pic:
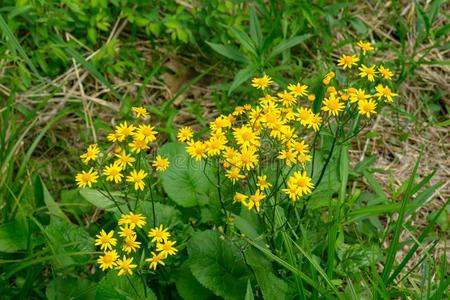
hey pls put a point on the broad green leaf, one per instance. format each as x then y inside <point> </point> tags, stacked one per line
<point>164,214</point>
<point>113,287</point>
<point>40,191</point>
<point>185,181</point>
<point>249,292</point>
<point>289,43</point>
<point>99,199</point>
<point>255,28</point>
<point>229,52</point>
<point>70,288</point>
<point>218,265</point>
<point>242,76</point>
<point>188,287</point>
<point>244,39</point>
<point>13,236</point>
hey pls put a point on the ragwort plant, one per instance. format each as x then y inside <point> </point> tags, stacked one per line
<point>246,190</point>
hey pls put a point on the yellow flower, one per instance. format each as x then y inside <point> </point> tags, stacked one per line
<point>126,231</point>
<point>367,107</point>
<point>255,200</point>
<point>159,234</point>
<point>136,177</point>
<point>130,244</point>
<point>216,144</point>
<point>234,174</point>
<point>301,147</point>
<point>112,137</point>
<point>166,248</point>
<point>368,72</point>
<point>238,197</point>
<point>108,260</point>
<point>185,134</point>
<point>133,220</point>
<point>248,158</point>
<point>140,112</point>
<point>298,89</point>
<point>315,121</point>
<point>289,156</point>
<point>303,158</point>
<point>113,172</point>
<point>347,61</point>
<point>137,145</point>
<point>86,178</point>
<point>299,184</point>
<point>245,136</point>
<point>125,159</point>
<point>219,123</point>
<point>196,150</point>
<point>328,77</point>
<point>384,91</point>
<point>357,95</point>
<point>332,105</point>
<point>125,266</point>
<point>145,133</point>
<point>155,260</point>
<point>311,98</point>
<point>331,90</point>
<point>303,115</point>
<point>161,164</point>
<point>105,240</point>
<point>238,110</point>
<point>287,98</point>
<point>91,153</point>
<point>262,183</point>
<point>385,72</point>
<point>123,130</point>
<point>365,47</point>
<point>261,82</point>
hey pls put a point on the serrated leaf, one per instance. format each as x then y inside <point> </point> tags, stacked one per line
<point>185,180</point>
<point>113,287</point>
<point>229,52</point>
<point>13,236</point>
<point>97,198</point>
<point>188,287</point>
<point>218,265</point>
<point>289,43</point>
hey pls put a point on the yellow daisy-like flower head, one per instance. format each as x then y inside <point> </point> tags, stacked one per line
<point>113,137</point>
<point>161,164</point>
<point>91,153</point>
<point>332,105</point>
<point>185,134</point>
<point>238,197</point>
<point>367,107</point>
<point>303,115</point>
<point>125,266</point>
<point>287,98</point>
<point>255,200</point>
<point>368,72</point>
<point>289,156</point>
<point>299,184</point>
<point>384,92</point>
<point>138,144</point>
<point>126,231</point>
<point>123,130</point>
<point>357,95</point>
<point>137,177</point>
<point>112,172</point>
<point>248,159</point>
<point>298,89</point>
<point>348,61</point>
<point>315,121</point>
<point>328,77</point>
<point>146,133</point>
<point>262,183</point>
<point>385,73</point>
<point>105,240</point>
<point>196,150</point>
<point>130,244</point>
<point>141,112</point>
<point>365,47</point>
<point>159,234</point>
<point>155,260</point>
<point>246,136</point>
<point>108,260</point>
<point>261,82</point>
<point>234,174</point>
<point>311,97</point>
<point>166,248</point>
<point>86,178</point>
<point>125,159</point>
<point>132,220</point>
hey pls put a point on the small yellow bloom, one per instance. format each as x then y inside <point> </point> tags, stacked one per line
<point>123,130</point>
<point>287,99</point>
<point>368,72</point>
<point>108,260</point>
<point>289,156</point>
<point>91,153</point>
<point>113,172</point>
<point>311,98</point>
<point>159,234</point>
<point>125,159</point>
<point>133,220</point>
<point>155,260</point>
<point>146,133</point>
<point>348,61</point>
<point>384,91</point>
<point>238,197</point>
<point>130,244</point>
<point>234,174</point>
<point>261,82</point>
<point>385,72</point>
<point>137,177</point>
<point>141,112</point>
<point>125,266</point>
<point>161,164</point>
<point>298,89</point>
<point>166,248</point>
<point>245,136</point>
<point>303,115</point>
<point>86,178</point>
<point>365,47</point>
<point>105,240</point>
<point>262,183</point>
<point>357,95</point>
<point>196,150</point>
<point>137,145</point>
<point>126,231</point>
<point>367,107</point>
<point>315,121</point>
<point>332,105</point>
<point>185,134</point>
<point>112,137</point>
<point>255,200</point>
<point>248,159</point>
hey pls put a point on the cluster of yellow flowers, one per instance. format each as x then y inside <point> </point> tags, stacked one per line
<point>278,121</point>
<point>125,155</point>
<point>128,224</point>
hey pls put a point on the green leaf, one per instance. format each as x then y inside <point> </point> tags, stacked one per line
<point>14,236</point>
<point>242,76</point>
<point>244,39</point>
<point>98,199</point>
<point>255,28</point>
<point>188,287</point>
<point>217,264</point>
<point>229,52</point>
<point>185,181</point>
<point>289,43</point>
<point>70,288</point>
<point>249,292</point>
<point>113,287</point>
<point>41,192</point>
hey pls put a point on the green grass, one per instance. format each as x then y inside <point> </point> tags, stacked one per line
<point>336,249</point>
